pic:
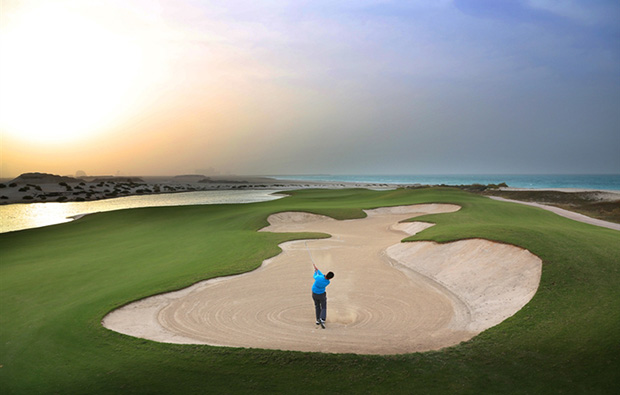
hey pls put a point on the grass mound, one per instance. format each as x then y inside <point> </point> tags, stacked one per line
<point>58,282</point>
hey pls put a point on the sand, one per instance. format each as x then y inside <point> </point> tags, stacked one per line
<point>571,214</point>
<point>39,187</point>
<point>387,297</point>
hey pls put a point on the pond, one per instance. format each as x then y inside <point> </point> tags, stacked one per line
<point>33,215</point>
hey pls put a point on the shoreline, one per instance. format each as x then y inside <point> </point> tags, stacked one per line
<point>597,207</point>
<point>46,189</point>
<point>19,216</point>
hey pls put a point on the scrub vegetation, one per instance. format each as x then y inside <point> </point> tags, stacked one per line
<point>58,282</point>
<point>587,203</point>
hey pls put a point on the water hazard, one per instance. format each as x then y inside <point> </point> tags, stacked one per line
<point>33,215</point>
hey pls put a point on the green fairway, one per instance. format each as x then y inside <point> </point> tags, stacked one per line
<point>58,282</point>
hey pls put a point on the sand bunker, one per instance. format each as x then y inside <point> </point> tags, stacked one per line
<point>387,297</point>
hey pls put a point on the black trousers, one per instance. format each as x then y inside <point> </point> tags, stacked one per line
<point>320,305</point>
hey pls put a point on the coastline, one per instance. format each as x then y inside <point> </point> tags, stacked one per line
<point>525,181</point>
<point>46,189</point>
<point>598,207</point>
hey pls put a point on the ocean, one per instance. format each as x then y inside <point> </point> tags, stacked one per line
<point>610,182</point>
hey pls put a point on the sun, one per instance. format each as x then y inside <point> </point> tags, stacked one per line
<point>63,76</point>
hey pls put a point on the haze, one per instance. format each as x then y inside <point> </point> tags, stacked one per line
<point>341,87</point>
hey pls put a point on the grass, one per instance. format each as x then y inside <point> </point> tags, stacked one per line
<point>587,203</point>
<point>56,284</point>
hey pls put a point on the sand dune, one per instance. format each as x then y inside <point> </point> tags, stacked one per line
<point>387,297</point>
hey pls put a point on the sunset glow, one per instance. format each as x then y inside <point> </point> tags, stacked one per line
<point>320,87</point>
<point>64,76</point>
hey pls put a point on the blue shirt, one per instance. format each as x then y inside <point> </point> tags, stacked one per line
<point>320,282</point>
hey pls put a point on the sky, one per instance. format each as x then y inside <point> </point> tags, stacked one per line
<point>140,87</point>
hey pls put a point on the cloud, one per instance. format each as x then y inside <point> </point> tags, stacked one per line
<point>377,86</point>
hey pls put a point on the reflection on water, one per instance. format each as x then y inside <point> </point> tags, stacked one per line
<point>33,215</point>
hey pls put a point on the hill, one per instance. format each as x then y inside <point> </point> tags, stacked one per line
<point>42,178</point>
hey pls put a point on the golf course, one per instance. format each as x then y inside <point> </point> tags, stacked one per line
<point>57,284</point>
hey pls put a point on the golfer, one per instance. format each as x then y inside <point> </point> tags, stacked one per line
<point>319,295</point>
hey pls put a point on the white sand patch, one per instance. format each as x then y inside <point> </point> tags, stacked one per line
<point>493,280</point>
<point>387,297</point>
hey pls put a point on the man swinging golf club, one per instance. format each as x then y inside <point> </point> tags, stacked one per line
<point>319,295</point>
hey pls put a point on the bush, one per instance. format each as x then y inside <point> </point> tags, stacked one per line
<point>27,197</point>
<point>12,185</point>
<point>2,186</point>
<point>62,199</point>
<point>4,197</point>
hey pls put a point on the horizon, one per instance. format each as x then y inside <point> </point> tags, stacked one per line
<point>239,88</point>
<point>311,175</point>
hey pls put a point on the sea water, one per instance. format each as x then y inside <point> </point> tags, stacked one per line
<point>33,215</point>
<point>609,182</point>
